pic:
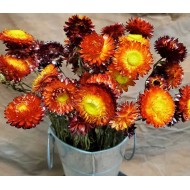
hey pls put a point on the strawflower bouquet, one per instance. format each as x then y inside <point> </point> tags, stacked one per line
<point>87,112</point>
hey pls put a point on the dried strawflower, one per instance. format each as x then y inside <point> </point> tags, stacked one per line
<point>133,59</point>
<point>94,104</point>
<point>24,111</point>
<point>114,30</point>
<point>13,68</point>
<point>96,49</point>
<point>125,117</point>
<point>57,96</point>
<point>184,102</point>
<point>77,27</point>
<point>139,26</point>
<point>156,106</point>
<point>171,49</point>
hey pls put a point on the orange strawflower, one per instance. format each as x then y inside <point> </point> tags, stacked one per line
<point>13,68</point>
<point>106,81</point>
<point>46,76</point>
<point>96,49</point>
<point>184,102</point>
<point>125,117</point>
<point>57,96</point>
<point>133,59</point>
<point>123,81</point>
<point>94,104</point>
<point>16,36</point>
<point>24,111</point>
<point>174,74</point>
<point>157,106</point>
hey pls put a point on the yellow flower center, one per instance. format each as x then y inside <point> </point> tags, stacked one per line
<point>159,104</point>
<point>62,98</point>
<point>92,105</point>
<point>188,106</point>
<point>121,79</point>
<point>18,34</point>
<point>21,107</point>
<point>136,37</point>
<point>133,58</point>
<point>16,63</point>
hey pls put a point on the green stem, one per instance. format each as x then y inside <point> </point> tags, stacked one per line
<point>155,65</point>
<point>26,84</point>
<point>22,87</point>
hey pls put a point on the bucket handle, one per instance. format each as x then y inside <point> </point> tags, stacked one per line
<point>133,150</point>
<point>50,156</point>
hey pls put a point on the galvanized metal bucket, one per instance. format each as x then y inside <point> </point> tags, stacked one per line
<point>78,162</point>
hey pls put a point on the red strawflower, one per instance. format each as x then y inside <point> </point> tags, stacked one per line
<point>114,30</point>
<point>139,26</point>
<point>170,49</point>
<point>77,27</point>
<point>78,126</point>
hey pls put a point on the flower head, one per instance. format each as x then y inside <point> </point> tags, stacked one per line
<point>170,49</point>
<point>16,36</point>
<point>184,102</point>
<point>96,49</point>
<point>133,59</point>
<point>48,74</point>
<point>123,81</point>
<point>156,80</point>
<point>79,126</point>
<point>157,106</point>
<point>174,74</point>
<point>106,81</point>
<point>77,27</point>
<point>24,111</point>
<point>57,96</point>
<point>114,30</point>
<point>13,68</point>
<point>94,104</point>
<point>48,53</point>
<point>139,26</point>
<point>125,117</point>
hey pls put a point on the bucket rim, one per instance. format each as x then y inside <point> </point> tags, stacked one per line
<point>50,130</point>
